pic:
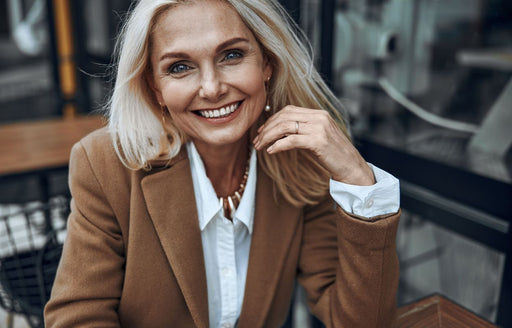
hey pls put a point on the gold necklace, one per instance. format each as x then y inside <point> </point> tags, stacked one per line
<point>231,202</point>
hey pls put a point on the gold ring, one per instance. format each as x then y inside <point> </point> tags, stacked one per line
<point>296,127</point>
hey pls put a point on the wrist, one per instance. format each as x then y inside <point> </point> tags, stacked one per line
<point>363,176</point>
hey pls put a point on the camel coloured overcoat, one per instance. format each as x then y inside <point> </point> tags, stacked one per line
<point>133,254</point>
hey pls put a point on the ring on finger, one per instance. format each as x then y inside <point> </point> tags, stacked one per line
<point>296,127</point>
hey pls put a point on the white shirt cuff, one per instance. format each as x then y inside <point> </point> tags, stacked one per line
<point>368,201</point>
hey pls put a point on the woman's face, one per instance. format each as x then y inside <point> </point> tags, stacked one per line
<point>209,70</point>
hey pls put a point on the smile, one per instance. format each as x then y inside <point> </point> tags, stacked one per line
<point>221,112</point>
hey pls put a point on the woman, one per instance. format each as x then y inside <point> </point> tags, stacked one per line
<point>209,194</point>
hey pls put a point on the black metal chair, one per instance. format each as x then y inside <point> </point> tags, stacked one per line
<point>30,249</point>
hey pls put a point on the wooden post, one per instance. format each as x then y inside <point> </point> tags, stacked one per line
<point>65,55</point>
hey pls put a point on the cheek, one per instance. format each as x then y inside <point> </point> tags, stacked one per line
<point>259,93</point>
<point>251,83</point>
<point>176,96</point>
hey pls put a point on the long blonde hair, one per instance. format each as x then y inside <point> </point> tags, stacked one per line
<point>139,138</point>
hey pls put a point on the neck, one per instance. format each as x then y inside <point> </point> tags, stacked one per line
<point>225,165</point>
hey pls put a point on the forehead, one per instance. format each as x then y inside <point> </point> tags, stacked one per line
<point>198,22</point>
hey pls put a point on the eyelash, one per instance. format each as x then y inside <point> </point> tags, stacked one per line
<point>180,68</point>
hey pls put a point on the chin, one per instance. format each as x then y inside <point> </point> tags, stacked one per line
<point>229,138</point>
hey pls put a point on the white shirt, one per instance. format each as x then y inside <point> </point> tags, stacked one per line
<point>226,243</point>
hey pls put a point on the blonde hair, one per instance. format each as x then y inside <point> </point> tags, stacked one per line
<point>139,137</point>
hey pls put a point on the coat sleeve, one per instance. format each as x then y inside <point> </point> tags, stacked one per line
<point>89,279</point>
<point>349,267</point>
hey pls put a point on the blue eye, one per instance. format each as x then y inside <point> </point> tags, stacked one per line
<point>179,68</point>
<point>233,55</point>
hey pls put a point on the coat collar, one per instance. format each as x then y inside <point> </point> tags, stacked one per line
<point>171,204</point>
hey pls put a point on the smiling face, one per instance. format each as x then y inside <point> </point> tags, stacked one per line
<point>209,70</point>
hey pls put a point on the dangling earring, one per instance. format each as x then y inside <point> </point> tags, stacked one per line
<point>267,106</point>
<point>163,113</point>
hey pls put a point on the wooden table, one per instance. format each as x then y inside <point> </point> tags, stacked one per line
<point>437,311</point>
<point>34,157</point>
<point>35,146</point>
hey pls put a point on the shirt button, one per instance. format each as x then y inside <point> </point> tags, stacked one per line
<point>226,272</point>
<point>369,203</point>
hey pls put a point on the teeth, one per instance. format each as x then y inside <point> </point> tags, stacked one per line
<point>216,113</point>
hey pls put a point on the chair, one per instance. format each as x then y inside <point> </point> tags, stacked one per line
<point>30,249</point>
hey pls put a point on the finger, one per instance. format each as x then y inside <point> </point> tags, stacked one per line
<point>286,123</point>
<point>277,118</point>
<point>292,113</point>
<point>293,141</point>
<point>277,131</point>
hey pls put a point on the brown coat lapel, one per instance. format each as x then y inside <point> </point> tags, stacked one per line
<point>274,226</point>
<point>171,204</point>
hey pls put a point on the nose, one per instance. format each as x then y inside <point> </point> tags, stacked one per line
<point>212,87</point>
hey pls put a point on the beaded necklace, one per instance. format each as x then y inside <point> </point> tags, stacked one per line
<point>230,203</point>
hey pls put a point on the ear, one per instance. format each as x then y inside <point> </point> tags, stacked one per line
<point>148,75</point>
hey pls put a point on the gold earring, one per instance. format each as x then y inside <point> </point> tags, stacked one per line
<point>163,113</point>
<point>267,106</point>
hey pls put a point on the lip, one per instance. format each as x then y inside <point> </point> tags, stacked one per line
<point>223,119</point>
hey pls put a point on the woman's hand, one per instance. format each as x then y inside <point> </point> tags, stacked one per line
<point>315,130</point>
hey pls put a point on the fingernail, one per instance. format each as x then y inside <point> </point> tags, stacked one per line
<point>269,149</point>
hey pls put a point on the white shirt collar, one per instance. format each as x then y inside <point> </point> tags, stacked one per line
<point>208,205</point>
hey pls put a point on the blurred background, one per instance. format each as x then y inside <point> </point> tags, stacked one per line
<point>426,86</point>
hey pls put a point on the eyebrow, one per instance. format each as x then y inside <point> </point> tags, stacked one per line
<point>223,45</point>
